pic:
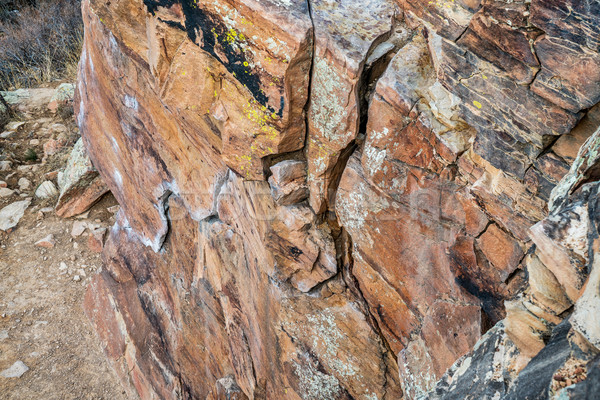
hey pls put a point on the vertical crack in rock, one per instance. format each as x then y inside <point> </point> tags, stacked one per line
<point>354,285</point>
<point>426,155</point>
<point>373,65</point>
<point>341,51</point>
<point>163,205</point>
<point>310,75</point>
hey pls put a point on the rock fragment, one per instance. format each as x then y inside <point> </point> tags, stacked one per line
<point>6,192</point>
<point>288,182</point>
<point>63,94</point>
<point>80,185</point>
<point>78,228</point>
<point>24,184</point>
<point>47,242</point>
<point>15,371</point>
<point>46,190</point>
<point>12,214</point>
<point>96,240</point>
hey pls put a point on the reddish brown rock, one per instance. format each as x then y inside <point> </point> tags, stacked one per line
<point>505,199</point>
<point>252,87</point>
<point>80,199</point>
<point>346,34</point>
<point>501,250</point>
<point>500,33</point>
<point>140,134</point>
<point>96,239</point>
<point>568,52</point>
<point>225,325</point>
<point>475,219</point>
<point>401,279</point>
<point>79,184</point>
<point>47,242</point>
<point>52,147</point>
<point>288,182</point>
<point>408,154</point>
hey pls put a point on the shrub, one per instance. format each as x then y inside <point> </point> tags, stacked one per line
<point>40,41</point>
<point>31,155</point>
<point>9,9</point>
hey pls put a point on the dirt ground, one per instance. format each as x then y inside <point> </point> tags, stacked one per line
<point>42,322</point>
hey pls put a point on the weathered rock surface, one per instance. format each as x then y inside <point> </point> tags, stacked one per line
<point>348,36</point>
<point>79,184</point>
<point>568,52</point>
<point>46,190</point>
<point>15,371</point>
<point>12,214</point>
<point>550,325</point>
<point>62,95</point>
<point>4,114</point>
<point>336,200</point>
<point>288,182</point>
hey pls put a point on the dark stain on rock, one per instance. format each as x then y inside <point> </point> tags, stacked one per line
<point>295,252</point>
<point>209,32</point>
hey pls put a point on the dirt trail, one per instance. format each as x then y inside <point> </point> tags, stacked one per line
<point>42,322</point>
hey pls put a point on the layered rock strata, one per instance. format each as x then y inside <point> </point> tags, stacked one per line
<point>337,199</point>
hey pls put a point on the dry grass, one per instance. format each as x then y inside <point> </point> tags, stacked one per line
<point>40,41</point>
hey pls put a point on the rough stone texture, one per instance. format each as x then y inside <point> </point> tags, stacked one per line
<point>568,52</point>
<point>12,214</point>
<point>4,115</point>
<point>63,95</point>
<point>337,199</point>
<point>79,184</point>
<point>15,371</point>
<point>348,35</point>
<point>555,347</point>
<point>46,190</point>
<point>288,182</point>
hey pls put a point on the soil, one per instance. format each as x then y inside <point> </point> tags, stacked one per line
<point>42,322</point>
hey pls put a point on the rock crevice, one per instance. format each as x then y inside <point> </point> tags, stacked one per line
<point>333,199</point>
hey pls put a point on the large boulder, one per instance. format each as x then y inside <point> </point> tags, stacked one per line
<point>337,199</point>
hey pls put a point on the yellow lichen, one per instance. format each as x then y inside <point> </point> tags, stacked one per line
<point>231,36</point>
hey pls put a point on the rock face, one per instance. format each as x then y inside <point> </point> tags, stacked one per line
<point>338,199</point>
